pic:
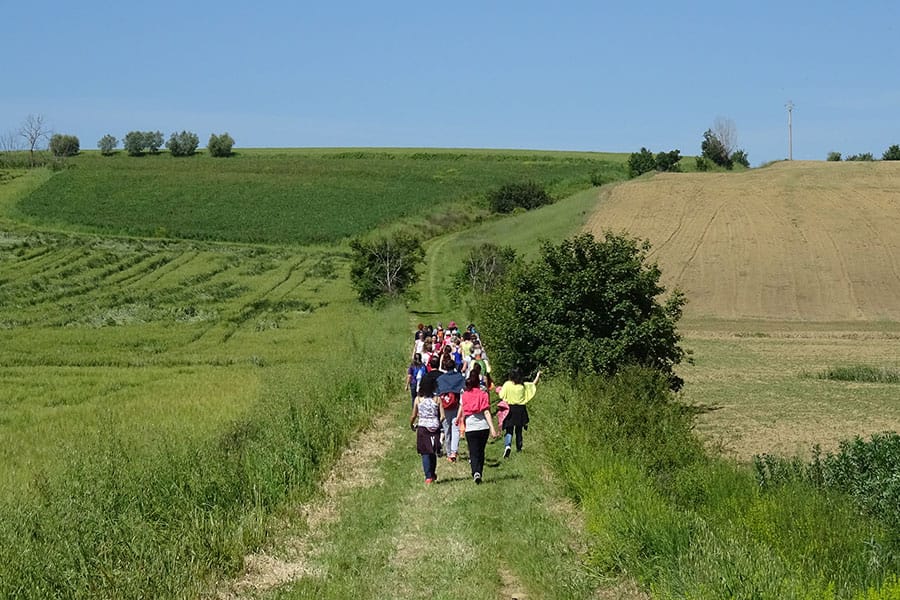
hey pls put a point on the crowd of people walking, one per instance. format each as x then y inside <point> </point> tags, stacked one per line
<point>450,384</point>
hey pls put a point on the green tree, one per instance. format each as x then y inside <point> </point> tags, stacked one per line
<point>134,143</point>
<point>183,144</point>
<point>220,145</point>
<point>834,156</point>
<point>892,153</point>
<point>641,162</point>
<point>107,144</point>
<point>64,145</point>
<point>863,157</point>
<point>739,157</point>
<point>153,140</point>
<point>585,306</point>
<point>385,267</point>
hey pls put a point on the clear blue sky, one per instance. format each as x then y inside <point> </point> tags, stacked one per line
<point>505,74</point>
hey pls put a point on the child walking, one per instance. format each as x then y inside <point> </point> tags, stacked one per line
<point>516,392</point>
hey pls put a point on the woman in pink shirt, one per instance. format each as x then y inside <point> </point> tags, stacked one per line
<point>475,415</point>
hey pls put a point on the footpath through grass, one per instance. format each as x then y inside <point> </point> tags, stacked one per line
<point>385,534</point>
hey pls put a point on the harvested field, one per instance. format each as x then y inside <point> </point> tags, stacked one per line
<point>801,241</point>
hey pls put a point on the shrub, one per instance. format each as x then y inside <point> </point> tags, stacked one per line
<point>701,163</point>
<point>668,161</point>
<point>220,145</point>
<point>641,162</point>
<point>892,153</point>
<point>107,144</point>
<point>585,306</point>
<point>64,145</point>
<point>485,267</point>
<point>183,144</point>
<point>527,195</point>
<point>385,267</point>
<point>834,156</point>
<point>138,142</point>
<point>597,179</point>
<point>714,150</point>
<point>739,157</point>
<point>864,157</point>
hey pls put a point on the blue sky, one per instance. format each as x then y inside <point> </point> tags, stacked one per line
<point>542,75</point>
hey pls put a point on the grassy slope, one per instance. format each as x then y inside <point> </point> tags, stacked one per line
<point>289,196</point>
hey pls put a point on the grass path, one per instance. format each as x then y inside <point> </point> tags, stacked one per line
<point>377,531</point>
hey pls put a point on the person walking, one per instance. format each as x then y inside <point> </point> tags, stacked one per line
<point>425,420</point>
<point>517,393</point>
<point>450,388</point>
<point>475,418</point>
<point>414,375</point>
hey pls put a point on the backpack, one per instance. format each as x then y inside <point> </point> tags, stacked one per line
<point>449,400</point>
<point>417,376</point>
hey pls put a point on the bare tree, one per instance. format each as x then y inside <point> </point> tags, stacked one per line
<point>9,141</point>
<point>726,132</point>
<point>34,129</point>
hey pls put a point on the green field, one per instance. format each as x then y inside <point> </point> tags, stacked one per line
<point>291,196</point>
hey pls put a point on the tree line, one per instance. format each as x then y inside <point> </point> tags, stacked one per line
<point>35,132</point>
<point>892,153</point>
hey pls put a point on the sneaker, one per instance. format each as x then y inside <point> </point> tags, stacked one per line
<point>451,458</point>
<point>477,478</point>
<point>429,481</point>
<point>506,452</point>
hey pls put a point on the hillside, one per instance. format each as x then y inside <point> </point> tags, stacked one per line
<point>801,241</point>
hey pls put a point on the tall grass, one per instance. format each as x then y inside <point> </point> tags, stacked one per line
<point>687,524</point>
<point>128,521</point>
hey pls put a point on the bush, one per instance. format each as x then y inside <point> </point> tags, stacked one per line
<point>714,150</point>
<point>739,157</point>
<point>668,161</point>
<point>585,306</point>
<point>892,153</point>
<point>597,179</point>
<point>64,145</point>
<point>641,162</point>
<point>107,144</point>
<point>183,144</point>
<point>864,157</point>
<point>701,164</point>
<point>527,195</point>
<point>220,145</point>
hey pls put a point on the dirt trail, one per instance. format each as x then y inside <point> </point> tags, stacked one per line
<point>356,468</point>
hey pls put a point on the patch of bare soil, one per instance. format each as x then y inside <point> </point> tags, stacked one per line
<point>512,589</point>
<point>355,469</point>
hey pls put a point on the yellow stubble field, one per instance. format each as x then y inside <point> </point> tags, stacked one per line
<point>789,270</point>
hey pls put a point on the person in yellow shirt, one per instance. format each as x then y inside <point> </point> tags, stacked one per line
<point>517,393</point>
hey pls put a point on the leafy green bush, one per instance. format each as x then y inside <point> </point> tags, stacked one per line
<point>598,179</point>
<point>739,157</point>
<point>834,156</point>
<point>714,150</point>
<point>585,306</point>
<point>701,164</point>
<point>892,153</point>
<point>183,144</point>
<point>64,145</point>
<point>220,145</point>
<point>107,144</point>
<point>864,157</point>
<point>641,162</point>
<point>527,195</point>
<point>668,161</point>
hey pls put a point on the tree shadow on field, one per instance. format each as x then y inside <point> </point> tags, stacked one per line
<point>423,313</point>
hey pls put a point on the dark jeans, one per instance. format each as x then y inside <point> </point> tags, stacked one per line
<point>429,465</point>
<point>477,441</point>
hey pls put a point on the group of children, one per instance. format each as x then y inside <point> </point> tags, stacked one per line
<point>450,381</point>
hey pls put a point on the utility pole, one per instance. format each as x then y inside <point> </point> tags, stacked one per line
<point>790,107</point>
